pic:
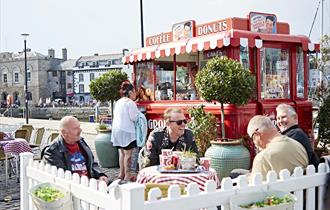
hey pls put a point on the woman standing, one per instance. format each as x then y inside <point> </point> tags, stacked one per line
<point>123,128</point>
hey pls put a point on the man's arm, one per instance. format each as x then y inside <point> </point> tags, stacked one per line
<point>53,157</point>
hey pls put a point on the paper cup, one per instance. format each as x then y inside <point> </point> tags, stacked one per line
<point>166,152</point>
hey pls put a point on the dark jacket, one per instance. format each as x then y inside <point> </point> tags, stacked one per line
<point>159,139</point>
<point>299,135</point>
<point>58,155</point>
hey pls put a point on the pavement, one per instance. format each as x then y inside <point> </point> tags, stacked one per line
<point>10,196</point>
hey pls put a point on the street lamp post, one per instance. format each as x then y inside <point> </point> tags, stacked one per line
<point>26,80</point>
<point>141,16</point>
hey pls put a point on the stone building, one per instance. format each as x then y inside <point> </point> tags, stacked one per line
<point>51,77</point>
<point>89,68</point>
<point>12,72</point>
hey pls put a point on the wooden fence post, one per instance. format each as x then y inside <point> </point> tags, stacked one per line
<point>24,182</point>
<point>132,196</point>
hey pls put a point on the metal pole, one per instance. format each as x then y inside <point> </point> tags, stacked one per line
<point>322,18</point>
<point>141,16</point>
<point>26,82</point>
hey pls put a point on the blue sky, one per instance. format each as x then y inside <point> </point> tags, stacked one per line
<point>86,27</point>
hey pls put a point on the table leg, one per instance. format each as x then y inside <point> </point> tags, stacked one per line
<point>6,168</point>
<point>16,164</point>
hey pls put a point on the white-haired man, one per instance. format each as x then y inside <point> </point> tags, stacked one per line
<point>287,122</point>
<point>277,151</point>
<point>70,152</point>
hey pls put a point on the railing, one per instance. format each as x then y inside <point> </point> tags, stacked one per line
<point>89,194</point>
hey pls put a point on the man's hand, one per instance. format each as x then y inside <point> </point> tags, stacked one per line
<point>149,145</point>
<point>104,178</point>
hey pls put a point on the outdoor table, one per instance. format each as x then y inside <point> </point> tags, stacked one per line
<point>153,175</point>
<point>14,147</point>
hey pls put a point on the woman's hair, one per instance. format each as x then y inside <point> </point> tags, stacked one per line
<point>125,88</point>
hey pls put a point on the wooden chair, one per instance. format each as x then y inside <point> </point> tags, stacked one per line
<point>30,129</point>
<point>10,168</point>
<point>2,135</point>
<point>52,136</point>
<point>38,137</point>
<point>163,188</point>
<point>22,133</point>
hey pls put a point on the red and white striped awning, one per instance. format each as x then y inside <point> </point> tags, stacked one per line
<point>234,38</point>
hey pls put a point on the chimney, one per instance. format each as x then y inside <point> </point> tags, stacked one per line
<point>51,53</point>
<point>64,54</point>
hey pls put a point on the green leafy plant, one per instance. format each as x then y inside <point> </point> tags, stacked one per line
<point>107,86</point>
<point>188,154</point>
<point>102,127</point>
<point>323,120</point>
<point>204,127</point>
<point>226,81</point>
<point>48,194</point>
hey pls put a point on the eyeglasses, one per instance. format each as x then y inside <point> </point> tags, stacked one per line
<point>254,133</point>
<point>179,122</point>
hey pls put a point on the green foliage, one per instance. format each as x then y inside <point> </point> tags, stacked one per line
<point>323,119</point>
<point>203,126</point>
<point>107,86</point>
<point>188,154</point>
<point>226,81</point>
<point>102,127</point>
<point>48,194</point>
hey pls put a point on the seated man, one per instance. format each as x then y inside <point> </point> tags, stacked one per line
<point>173,136</point>
<point>287,122</point>
<point>70,152</point>
<point>277,151</point>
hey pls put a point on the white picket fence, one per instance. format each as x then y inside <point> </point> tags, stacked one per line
<point>89,194</point>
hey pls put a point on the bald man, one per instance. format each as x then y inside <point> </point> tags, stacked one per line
<point>70,152</point>
<point>277,151</point>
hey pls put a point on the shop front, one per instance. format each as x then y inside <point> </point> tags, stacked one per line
<point>164,70</point>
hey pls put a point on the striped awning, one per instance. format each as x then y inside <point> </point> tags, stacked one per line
<point>233,38</point>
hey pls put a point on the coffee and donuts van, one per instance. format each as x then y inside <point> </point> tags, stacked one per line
<point>164,70</point>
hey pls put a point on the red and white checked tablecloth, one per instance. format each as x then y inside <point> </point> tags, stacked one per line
<point>15,146</point>
<point>152,175</point>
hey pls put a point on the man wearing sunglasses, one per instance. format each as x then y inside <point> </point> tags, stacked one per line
<point>277,151</point>
<point>173,136</point>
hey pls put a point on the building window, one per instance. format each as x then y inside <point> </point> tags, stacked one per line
<point>29,76</point>
<point>91,76</point>
<point>4,76</point>
<point>81,89</point>
<point>62,87</point>
<point>275,75</point>
<point>69,85</point>
<point>16,77</point>
<point>54,73</point>
<point>69,73</point>
<point>81,77</point>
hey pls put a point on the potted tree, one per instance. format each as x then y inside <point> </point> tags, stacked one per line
<point>106,88</point>
<point>226,81</point>
<point>204,127</point>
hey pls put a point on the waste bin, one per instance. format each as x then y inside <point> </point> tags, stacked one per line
<point>91,118</point>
